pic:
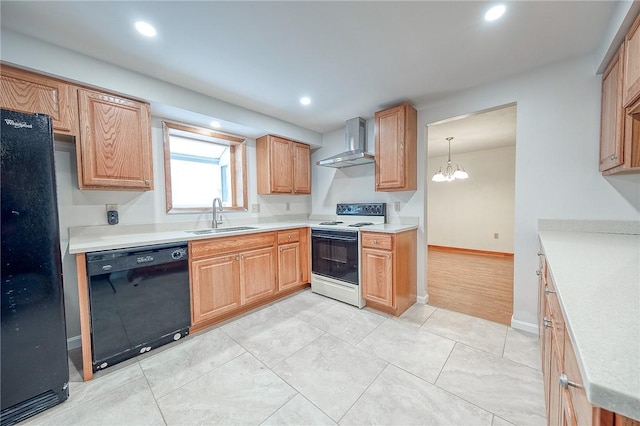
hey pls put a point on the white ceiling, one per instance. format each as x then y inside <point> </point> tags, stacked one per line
<point>351,58</point>
<point>475,132</point>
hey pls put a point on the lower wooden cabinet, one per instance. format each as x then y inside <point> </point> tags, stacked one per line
<point>215,287</point>
<point>293,258</point>
<point>565,397</point>
<point>230,275</point>
<point>257,274</point>
<point>388,268</point>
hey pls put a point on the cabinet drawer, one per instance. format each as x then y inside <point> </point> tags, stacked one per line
<point>214,246</point>
<point>378,241</point>
<point>288,236</point>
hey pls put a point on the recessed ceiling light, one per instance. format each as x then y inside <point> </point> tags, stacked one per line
<point>216,124</point>
<point>145,29</point>
<point>495,12</point>
<point>305,100</point>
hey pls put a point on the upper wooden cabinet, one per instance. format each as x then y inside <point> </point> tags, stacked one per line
<point>620,113</point>
<point>612,114</point>
<point>632,63</point>
<point>33,93</point>
<point>396,148</point>
<point>115,143</point>
<point>283,166</point>
<point>301,168</point>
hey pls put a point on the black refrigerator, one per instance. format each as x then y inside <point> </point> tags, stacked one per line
<point>33,341</point>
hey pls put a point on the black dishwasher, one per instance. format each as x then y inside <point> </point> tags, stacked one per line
<point>139,300</point>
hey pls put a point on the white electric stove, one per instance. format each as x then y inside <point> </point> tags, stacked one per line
<point>335,251</point>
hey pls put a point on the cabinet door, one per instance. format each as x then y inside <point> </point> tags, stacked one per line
<point>32,93</point>
<point>305,255</point>
<point>281,165</point>
<point>115,143</point>
<point>301,168</point>
<point>289,274</point>
<point>632,63</point>
<point>214,287</point>
<point>395,141</point>
<point>611,115</point>
<point>554,411</point>
<point>257,274</point>
<point>377,276</point>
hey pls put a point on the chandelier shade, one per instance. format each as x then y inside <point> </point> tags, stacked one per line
<point>449,172</point>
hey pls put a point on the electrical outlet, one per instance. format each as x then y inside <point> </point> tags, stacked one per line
<point>255,208</point>
<point>496,236</point>
<point>112,214</point>
<point>287,206</point>
<point>396,206</point>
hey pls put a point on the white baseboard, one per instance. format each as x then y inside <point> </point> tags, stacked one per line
<point>423,299</point>
<point>524,326</point>
<point>74,342</point>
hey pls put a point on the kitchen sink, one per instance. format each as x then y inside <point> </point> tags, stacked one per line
<point>219,230</point>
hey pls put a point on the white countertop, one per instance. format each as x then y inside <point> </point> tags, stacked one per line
<point>96,238</point>
<point>597,278</point>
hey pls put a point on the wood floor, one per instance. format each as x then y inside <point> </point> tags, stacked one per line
<point>474,283</point>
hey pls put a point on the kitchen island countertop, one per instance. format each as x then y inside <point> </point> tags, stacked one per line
<point>597,278</point>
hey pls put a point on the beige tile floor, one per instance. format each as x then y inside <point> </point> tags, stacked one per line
<point>309,360</point>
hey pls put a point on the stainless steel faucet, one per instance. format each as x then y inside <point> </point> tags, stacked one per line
<point>214,221</point>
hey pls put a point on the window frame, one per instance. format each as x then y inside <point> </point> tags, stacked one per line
<point>238,157</point>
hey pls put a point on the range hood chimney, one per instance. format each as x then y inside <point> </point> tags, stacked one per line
<point>355,139</point>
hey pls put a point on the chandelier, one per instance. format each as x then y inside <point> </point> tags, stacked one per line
<point>448,172</point>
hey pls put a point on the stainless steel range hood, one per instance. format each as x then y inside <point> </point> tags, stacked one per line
<point>355,139</point>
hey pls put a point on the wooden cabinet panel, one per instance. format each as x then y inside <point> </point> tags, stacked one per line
<point>280,164</point>
<point>612,115</point>
<point>257,274</point>
<point>289,266</point>
<point>377,276</point>
<point>632,63</point>
<point>396,148</point>
<point>289,236</point>
<point>377,241</point>
<point>301,168</point>
<point>388,270</point>
<point>283,166</point>
<point>305,255</point>
<point>115,143</point>
<point>214,287</point>
<point>33,93</point>
<point>217,246</point>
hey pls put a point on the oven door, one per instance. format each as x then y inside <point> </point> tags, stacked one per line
<point>334,254</point>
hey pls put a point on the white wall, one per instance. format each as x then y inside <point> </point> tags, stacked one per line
<point>87,208</point>
<point>467,213</point>
<point>556,159</point>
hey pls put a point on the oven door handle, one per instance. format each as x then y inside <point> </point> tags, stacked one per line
<point>334,237</point>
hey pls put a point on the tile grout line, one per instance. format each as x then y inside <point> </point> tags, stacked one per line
<point>364,391</point>
<point>155,399</point>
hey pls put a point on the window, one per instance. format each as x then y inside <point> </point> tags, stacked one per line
<point>200,165</point>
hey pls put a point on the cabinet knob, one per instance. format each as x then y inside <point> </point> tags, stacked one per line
<point>546,322</point>
<point>547,291</point>
<point>614,157</point>
<point>540,253</point>
<point>375,241</point>
<point>237,257</point>
<point>289,236</point>
<point>538,272</point>
<point>565,382</point>
<point>146,182</point>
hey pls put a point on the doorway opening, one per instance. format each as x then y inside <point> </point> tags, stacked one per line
<point>470,221</point>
